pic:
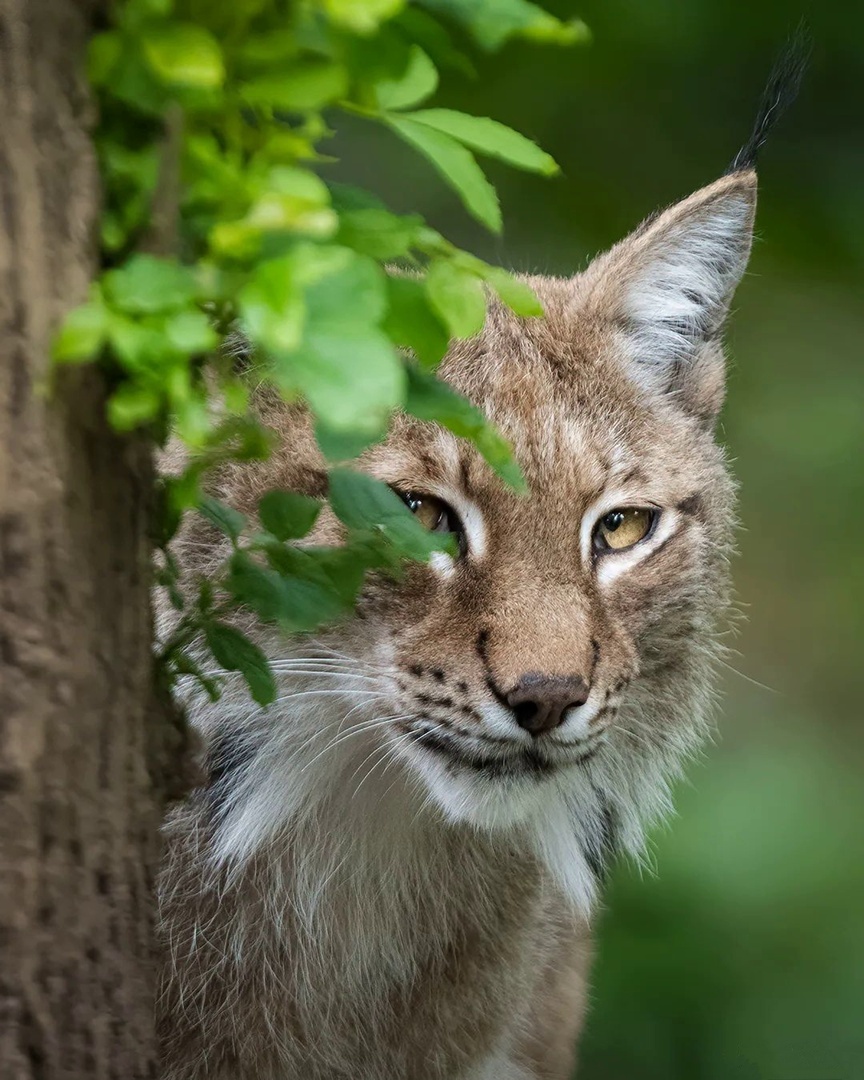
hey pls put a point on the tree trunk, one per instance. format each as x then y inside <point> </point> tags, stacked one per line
<point>82,727</point>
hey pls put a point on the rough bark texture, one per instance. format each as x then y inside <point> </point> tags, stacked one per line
<point>81,726</point>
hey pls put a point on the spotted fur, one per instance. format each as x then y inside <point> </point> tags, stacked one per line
<point>386,876</point>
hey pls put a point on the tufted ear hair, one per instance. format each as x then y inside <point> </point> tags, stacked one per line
<point>667,288</point>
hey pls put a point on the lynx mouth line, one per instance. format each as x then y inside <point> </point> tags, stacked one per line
<point>526,762</point>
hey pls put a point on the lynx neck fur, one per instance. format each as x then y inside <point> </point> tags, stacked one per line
<point>390,871</point>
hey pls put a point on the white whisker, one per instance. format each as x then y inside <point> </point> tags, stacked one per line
<point>359,729</point>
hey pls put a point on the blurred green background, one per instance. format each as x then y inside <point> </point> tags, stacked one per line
<point>744,956</point>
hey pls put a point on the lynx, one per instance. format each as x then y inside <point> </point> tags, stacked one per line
<point>390,872</point>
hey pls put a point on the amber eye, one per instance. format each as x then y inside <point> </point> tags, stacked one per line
<point>620,529</point>
<point>432,513</point>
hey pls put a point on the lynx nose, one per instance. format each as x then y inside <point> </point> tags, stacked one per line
<point>539,701</point>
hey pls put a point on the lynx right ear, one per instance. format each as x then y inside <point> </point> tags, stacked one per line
<point>668,286</point>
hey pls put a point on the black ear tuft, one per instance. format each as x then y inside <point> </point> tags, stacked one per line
<point>782,89</point>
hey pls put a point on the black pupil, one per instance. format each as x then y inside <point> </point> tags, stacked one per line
<point>613,521</point>
<point>416,501</point>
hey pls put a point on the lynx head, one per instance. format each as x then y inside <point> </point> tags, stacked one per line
<point>548,678</point>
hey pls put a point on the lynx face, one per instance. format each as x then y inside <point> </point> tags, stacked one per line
<point>517,664</point>
<point>551,676</point>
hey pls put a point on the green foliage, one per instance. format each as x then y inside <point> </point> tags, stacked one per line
<point>489,137</point>
<point>235,652</point>
<point>362,503</point>
<point>457,166</point>
<point>213,119</point>
<point>286,515</point>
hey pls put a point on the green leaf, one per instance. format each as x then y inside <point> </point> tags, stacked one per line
<point>226,519</point>
<point>296,604</point>
<point>142,349</point>
<point>361,16</point>
<point>150,7</point>
<point>286,198</point>
<point>457,296</point>
<point>456,166</point>
<point>345,290</point>
<point>146,284</point>
<point>361,502</point>
<point>191,332</point>
<point>184,54</point>
<point>303,85</point>
<point>181,663</point>
<point>516,294</point>
<point>168,514</point>
<point>167,579</point>
<point>82,334</point>
<point>422,28</point>
<point>384,57</point>
<point>344,568</point>
<point>257,587</point>
<point>411,321</point>
<point>192,417</point>
<point>345,366</point>
<point>490,138</point>
<point>242,438</point>
<point>492,22</point>
<point>288,515</point>
<point>132,405</point>
<point>351,379</point>
<point>339,444</point>
<point>277,45</point>
<point>378,233</point>
<point>430,399</point>
<point>314,262</point>
<point>419,82</point>
<point>103,55</point>
<point>235,652</point>
<point>272,305</point>
<point>346,198</point>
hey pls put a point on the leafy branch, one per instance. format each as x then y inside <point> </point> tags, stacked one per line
<point>218,216</point>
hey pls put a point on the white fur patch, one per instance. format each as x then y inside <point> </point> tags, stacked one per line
<point>681,291</point>
<point>443,564</point>
<point>472,522</point>
<point>499,1067</point>
<point>471,519</point>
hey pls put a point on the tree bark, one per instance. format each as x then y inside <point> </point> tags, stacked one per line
<point>84,733</point>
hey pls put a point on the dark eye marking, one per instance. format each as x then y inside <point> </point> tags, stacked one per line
<point>693,506</point>
<point>465,474</point>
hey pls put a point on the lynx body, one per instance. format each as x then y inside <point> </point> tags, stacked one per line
<point>390,871</point>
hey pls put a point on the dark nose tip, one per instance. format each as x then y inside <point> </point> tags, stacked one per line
<point>539,701</point>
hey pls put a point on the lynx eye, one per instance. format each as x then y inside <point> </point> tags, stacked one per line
<point>622,528</point>
<point>434,514</point>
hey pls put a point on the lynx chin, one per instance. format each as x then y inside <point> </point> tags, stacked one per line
<point>390,872</point>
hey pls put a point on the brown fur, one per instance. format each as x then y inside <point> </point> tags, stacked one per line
<point>446,945</point>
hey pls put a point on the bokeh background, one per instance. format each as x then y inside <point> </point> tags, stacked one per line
<point>742,957</point>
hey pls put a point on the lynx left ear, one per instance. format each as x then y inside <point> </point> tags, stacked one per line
<point>668,287</point>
